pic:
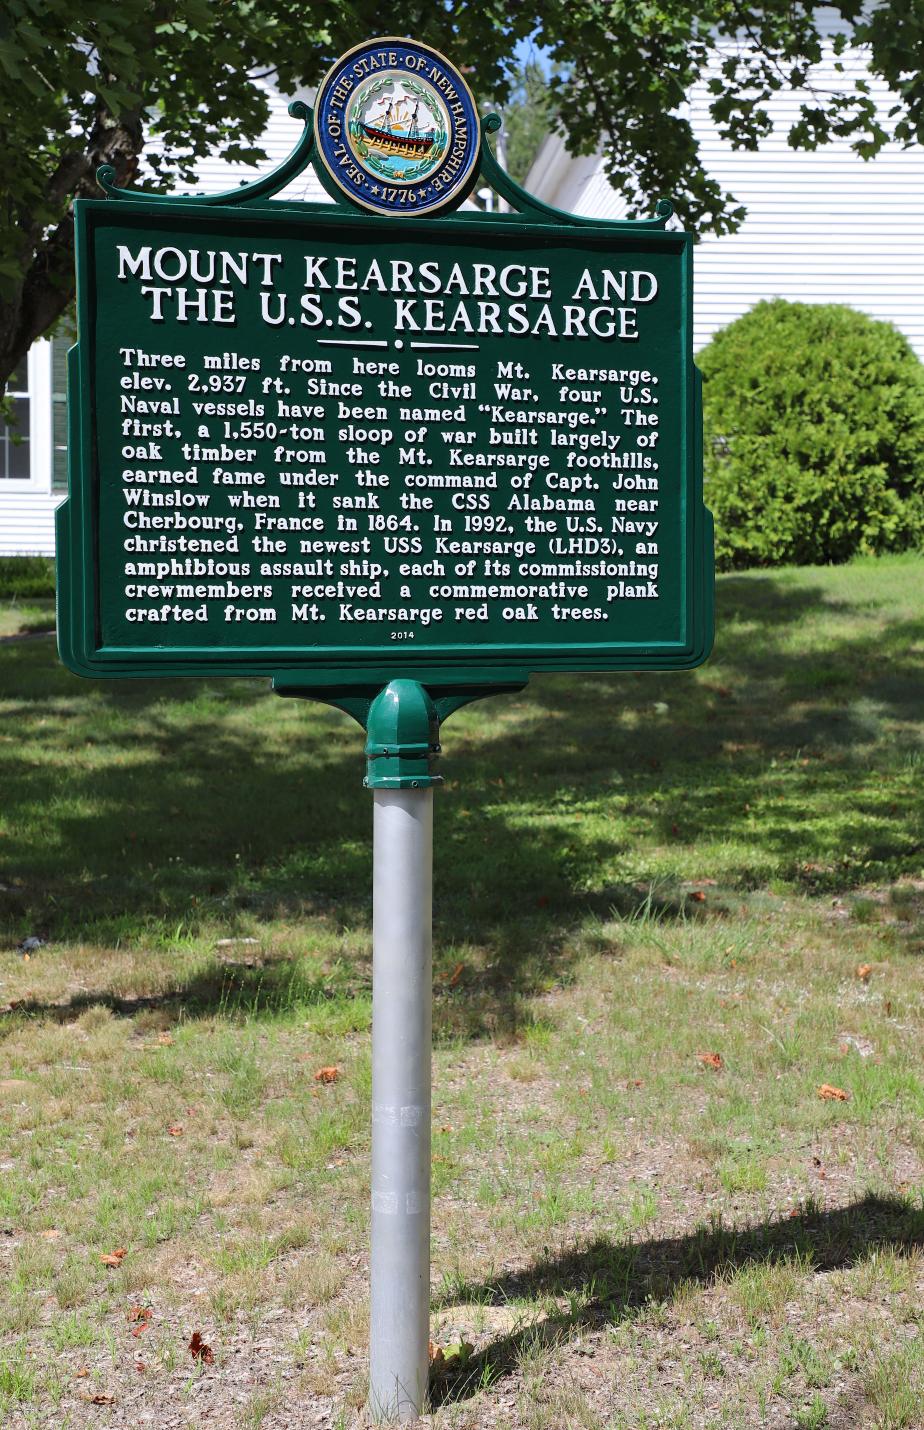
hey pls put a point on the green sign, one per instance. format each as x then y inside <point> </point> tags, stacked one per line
<point>338,448</point>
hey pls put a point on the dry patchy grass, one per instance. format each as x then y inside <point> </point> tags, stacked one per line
<point>625,1232</point>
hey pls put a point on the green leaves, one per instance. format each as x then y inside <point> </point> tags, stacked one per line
<point>814,436</point>
<point>121,78</point>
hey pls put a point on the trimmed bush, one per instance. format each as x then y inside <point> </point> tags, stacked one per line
<point>814,436</point>
<point>26,576</point>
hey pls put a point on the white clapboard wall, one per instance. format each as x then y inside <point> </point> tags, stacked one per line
<point>214,175</point>
<point>822,227</point>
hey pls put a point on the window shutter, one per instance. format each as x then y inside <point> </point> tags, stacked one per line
<point>59,349</point>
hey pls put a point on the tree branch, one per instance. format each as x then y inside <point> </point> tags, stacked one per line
<point>48,284</point>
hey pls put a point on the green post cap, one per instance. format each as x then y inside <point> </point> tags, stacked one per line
<point>402,738</point>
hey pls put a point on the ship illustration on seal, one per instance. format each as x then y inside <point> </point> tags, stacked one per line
<point>396,133</point>
<point>398,127</point>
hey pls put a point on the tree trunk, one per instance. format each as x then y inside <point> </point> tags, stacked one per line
<point>47,288</point>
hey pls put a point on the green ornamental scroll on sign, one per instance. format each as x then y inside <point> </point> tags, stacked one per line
<point>344,443</point>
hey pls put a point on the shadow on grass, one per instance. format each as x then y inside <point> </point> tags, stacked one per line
<point>607,1282</point>
<point>148,810</point>
<point>482,1002</point>
<point>257,989</point>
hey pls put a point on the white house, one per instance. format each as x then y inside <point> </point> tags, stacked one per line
<point>821,227</point>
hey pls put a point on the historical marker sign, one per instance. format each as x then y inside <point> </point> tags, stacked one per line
<point>337,448</point>
<point>394,458</point>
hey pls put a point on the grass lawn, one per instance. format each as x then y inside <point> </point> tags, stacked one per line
<point>669,909</point>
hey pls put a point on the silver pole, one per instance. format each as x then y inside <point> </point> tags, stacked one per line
<point>402,962</point>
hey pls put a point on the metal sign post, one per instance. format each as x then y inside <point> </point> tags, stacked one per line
<point>396,458</point>
<point>399,1312</point>
<point>400,748</point>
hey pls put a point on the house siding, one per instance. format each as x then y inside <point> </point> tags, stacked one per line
<point>27,523</point>
<point>822,227</point>
<point>278,140</point>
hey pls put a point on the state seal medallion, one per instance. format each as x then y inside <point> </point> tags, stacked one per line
<point>397,128</point>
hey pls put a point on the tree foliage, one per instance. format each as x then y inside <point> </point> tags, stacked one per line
<point>814,436</point>
<point>629,87</point>
<point>527,119</point>
<point>87,82</point>
<point>91,82</point>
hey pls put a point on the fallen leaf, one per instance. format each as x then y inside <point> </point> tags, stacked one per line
<point>446,1127</point>
<point>327,1074</point>
<point>175,1129</point>
<point>114,1258</point>
<point>863,971</point>
<point>98,1398</point>
<point>199,1350</point>
<point>458,1352</point>
<point>141,1365</point>
<point>51,1234</point>
<point>82,1372</point>
<point>828,1093</point>
<point>635,1082</point>
<point>711,1060</point>
<point>436,1355</point>
<point>698,896</point>
<point>165,1039</point>
<point>140,1318</point>
<point>455,975</point>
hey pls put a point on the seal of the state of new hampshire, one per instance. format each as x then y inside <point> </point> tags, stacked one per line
<point>397,128</point>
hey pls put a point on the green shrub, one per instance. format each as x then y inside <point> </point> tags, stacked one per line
<point>26,576</point>
<point>814,436</point>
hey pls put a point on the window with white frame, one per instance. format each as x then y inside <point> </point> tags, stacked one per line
<point>26,441</point>
<point>15,450</point>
